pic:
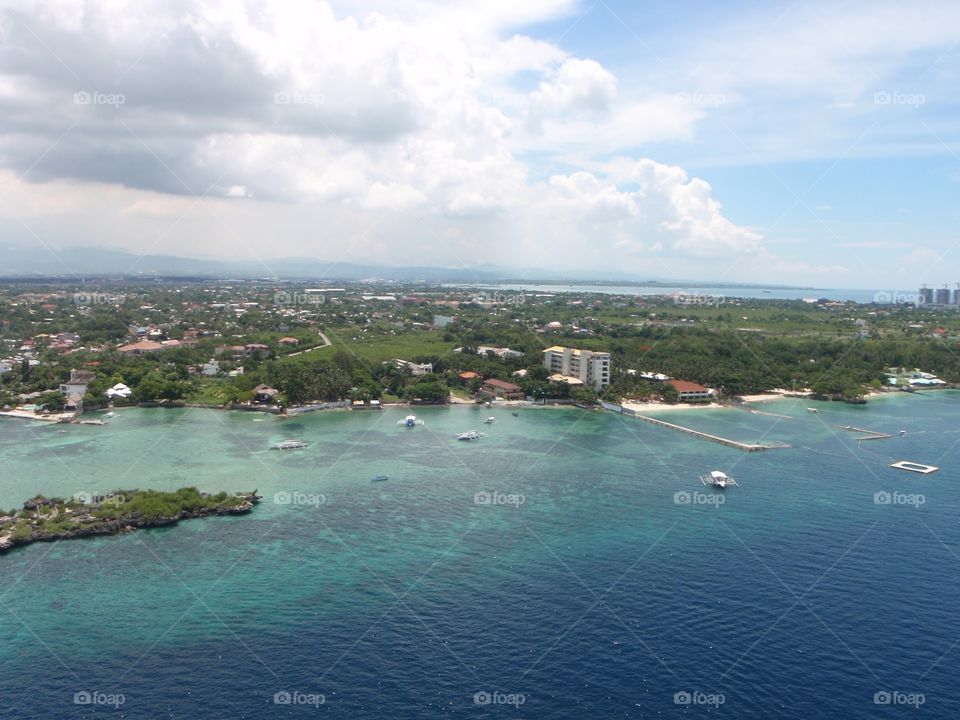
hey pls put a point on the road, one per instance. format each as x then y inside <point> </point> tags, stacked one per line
<point>326,341</point>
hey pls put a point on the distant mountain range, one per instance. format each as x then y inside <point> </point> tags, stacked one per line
<point>84,263</point>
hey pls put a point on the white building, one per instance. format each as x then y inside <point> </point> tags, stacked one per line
<point>500,352</point>
<point>592,368</point>
<point>915,377</point>
<point>211,368</point>
<point>416,369</point>
<point>77,384</point>
<point>119,390</point>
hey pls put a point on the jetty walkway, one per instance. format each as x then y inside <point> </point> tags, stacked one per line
<point>747,447</point>
<point>866,434</point>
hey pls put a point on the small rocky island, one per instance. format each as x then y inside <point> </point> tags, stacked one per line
<point>44,519</point>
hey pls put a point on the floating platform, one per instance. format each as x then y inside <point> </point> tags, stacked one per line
<point>748,447</point>
<point>914,467</point>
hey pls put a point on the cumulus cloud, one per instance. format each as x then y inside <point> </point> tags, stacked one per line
<point>288,116</point>
<point>578,84</point>
<point>665,210</point>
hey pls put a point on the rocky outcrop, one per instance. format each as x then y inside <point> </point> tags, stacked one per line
<point>51,519</point>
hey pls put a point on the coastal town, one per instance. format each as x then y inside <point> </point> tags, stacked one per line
<point>277,347</point>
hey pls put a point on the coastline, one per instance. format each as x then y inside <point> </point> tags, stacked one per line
<point>293,411</point>
<point>767,397</point>
<point>645,407</point>
<point>63,417</point>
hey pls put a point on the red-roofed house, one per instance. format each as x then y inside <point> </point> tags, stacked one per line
<point>690,391</point>
<point>501,389</point>
<point>140,348</point>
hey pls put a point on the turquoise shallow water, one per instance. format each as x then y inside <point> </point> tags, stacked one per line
<point>604,594</point>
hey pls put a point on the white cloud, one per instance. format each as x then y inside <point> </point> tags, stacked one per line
<point>298,123</point>
<point>576,86</point>
<point>666,208</point>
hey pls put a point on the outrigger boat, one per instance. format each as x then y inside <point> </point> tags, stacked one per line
<point>410,421</point>
<point>718,479</point>
<point>289,445</point>
<point>470,435</point>
<point>490,420</point>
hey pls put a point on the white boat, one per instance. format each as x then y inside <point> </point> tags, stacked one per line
<point>813,410</point>
<point>469,435</point>
<point>490,420</point>
<point>289,445</point>
<point>718,479</point>
<point>410,421</point>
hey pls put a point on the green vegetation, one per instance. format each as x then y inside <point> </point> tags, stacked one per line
<point>256,336</point>
<point>154,504</point>
<point>375,349</point>
<point>55,518</point>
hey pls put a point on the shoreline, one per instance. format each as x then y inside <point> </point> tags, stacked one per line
<point>63,417</point>
<point>293,411</point>
<point>645,407</point>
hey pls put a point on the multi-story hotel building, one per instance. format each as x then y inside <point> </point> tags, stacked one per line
<point>591,368</point>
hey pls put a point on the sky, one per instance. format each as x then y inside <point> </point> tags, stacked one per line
<point>812,143</point>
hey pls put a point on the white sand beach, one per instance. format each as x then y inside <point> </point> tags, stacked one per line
<point>763,397</point>
<point>645,407</point>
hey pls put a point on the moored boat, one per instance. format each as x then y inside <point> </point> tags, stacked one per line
<point>718,479</point>
<point>469,435</point>
<point>289,445</point>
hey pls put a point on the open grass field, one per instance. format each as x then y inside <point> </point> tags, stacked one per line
<point>374,349</point>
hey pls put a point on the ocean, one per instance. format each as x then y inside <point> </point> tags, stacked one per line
<point>570,564</point>
<point>721,294</point>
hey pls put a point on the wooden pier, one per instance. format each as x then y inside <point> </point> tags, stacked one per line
<point>867,434</point>
<point>747,447</point>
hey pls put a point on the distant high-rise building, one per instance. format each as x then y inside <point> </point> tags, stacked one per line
<point>942,296</point>
<point>926,295</point>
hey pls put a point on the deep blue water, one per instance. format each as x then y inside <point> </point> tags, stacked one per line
<point>602,595</point>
